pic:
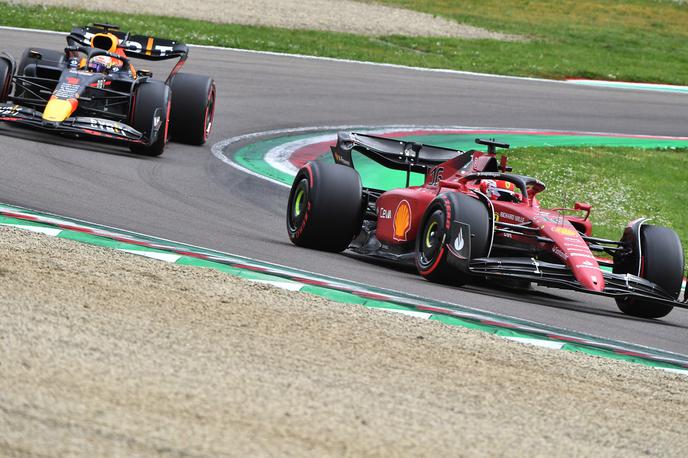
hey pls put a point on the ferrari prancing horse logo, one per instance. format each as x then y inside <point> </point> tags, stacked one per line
<point>402,221</point>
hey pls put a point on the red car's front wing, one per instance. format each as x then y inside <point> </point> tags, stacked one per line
<point>560,276</point>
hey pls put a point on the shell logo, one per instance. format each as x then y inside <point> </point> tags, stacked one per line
<point>402,221</point>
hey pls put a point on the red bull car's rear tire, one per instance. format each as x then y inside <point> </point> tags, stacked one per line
<point>5,79</point>
<point>193,108</point>
<point>49,57</point>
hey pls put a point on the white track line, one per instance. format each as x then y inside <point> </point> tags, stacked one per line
<point>572,82</point>
<point>329,59</point>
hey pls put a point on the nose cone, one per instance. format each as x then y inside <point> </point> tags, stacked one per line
<point>57,110</point>
<point>570,247</point>
<point>590,278</point>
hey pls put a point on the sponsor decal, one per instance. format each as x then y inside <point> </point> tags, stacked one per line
<point>66,90</point>
<point>459,247</point>
<point>408,152</point>
<point>104,124</point>
<point>458,241</point>
<point>585,264</point>
<point>565,230</point>
<point>556,250</point>
<point>9,110</point>
<point>550,219</point>
<point>511,217</point>
<point>383,213</point>
<point>135,46</point>
<point>402,221</point>
<point>72,80</point>
<point>575,242</point>
<point>582,255</point>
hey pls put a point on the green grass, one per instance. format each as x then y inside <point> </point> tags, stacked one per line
<point>632,40</point>
<point>627,40</point>
<point>622,184</point>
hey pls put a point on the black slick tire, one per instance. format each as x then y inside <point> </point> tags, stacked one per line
<point>150,97</point>
<point>193,107</point>
<point>324,211</point>
<point>431,252</point>
<point>5,79</point>
<point>661,263</point>
<point>49,57</point>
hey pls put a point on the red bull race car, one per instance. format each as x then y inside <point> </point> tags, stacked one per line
<point>473,219</point>
<point>92,89</point>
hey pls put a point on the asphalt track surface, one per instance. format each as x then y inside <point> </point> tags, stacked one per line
<point>190,196</point>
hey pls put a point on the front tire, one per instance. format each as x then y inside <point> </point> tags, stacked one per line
<point>662,263</point>
<point>324,211</point>
<point>434,233</point>
<point>193,108</point>
<point>151,100</point>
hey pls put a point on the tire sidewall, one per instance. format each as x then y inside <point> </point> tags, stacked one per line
<point>662,263</point>
<point>333,207</point>
<point>192,109</point>
<point>465,209</point>
<point>49,57</point>
<point>5,79</point>
<point>148,97</point>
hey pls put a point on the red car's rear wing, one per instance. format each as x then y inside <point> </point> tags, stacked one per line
<point>391,153</point>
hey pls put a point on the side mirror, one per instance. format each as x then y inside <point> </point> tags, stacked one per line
<point>582,206</point>
<point>502,165</point>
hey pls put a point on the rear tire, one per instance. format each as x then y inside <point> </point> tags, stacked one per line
<point>49,57</point>
<point>662,263</point>
<point>5,79</point>
<point>193,107</point>
<point>324,211</point>
<point>435,229</point>
<point>148,98</point>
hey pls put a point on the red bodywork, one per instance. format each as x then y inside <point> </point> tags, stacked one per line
<point>400,212</point>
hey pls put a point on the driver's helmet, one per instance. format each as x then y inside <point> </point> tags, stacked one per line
<point>104,64</point>
<point>500,190</point>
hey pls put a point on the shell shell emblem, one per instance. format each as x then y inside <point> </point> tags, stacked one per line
<point>402,221</point>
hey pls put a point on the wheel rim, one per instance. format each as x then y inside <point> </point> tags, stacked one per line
<point>432,239</point>
<point>298,205</point>
<point>209,113</point>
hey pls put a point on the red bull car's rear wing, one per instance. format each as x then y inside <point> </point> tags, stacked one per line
<point>134,46</point>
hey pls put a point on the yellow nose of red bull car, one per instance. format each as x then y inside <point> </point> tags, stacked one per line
<point>57,110</point>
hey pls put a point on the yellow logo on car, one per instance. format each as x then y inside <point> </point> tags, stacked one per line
<point>565,230</point>
<point>402,221</point>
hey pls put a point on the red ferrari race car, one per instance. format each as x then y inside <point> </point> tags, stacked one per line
<point>91,88</point>
<point>472,219</point>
